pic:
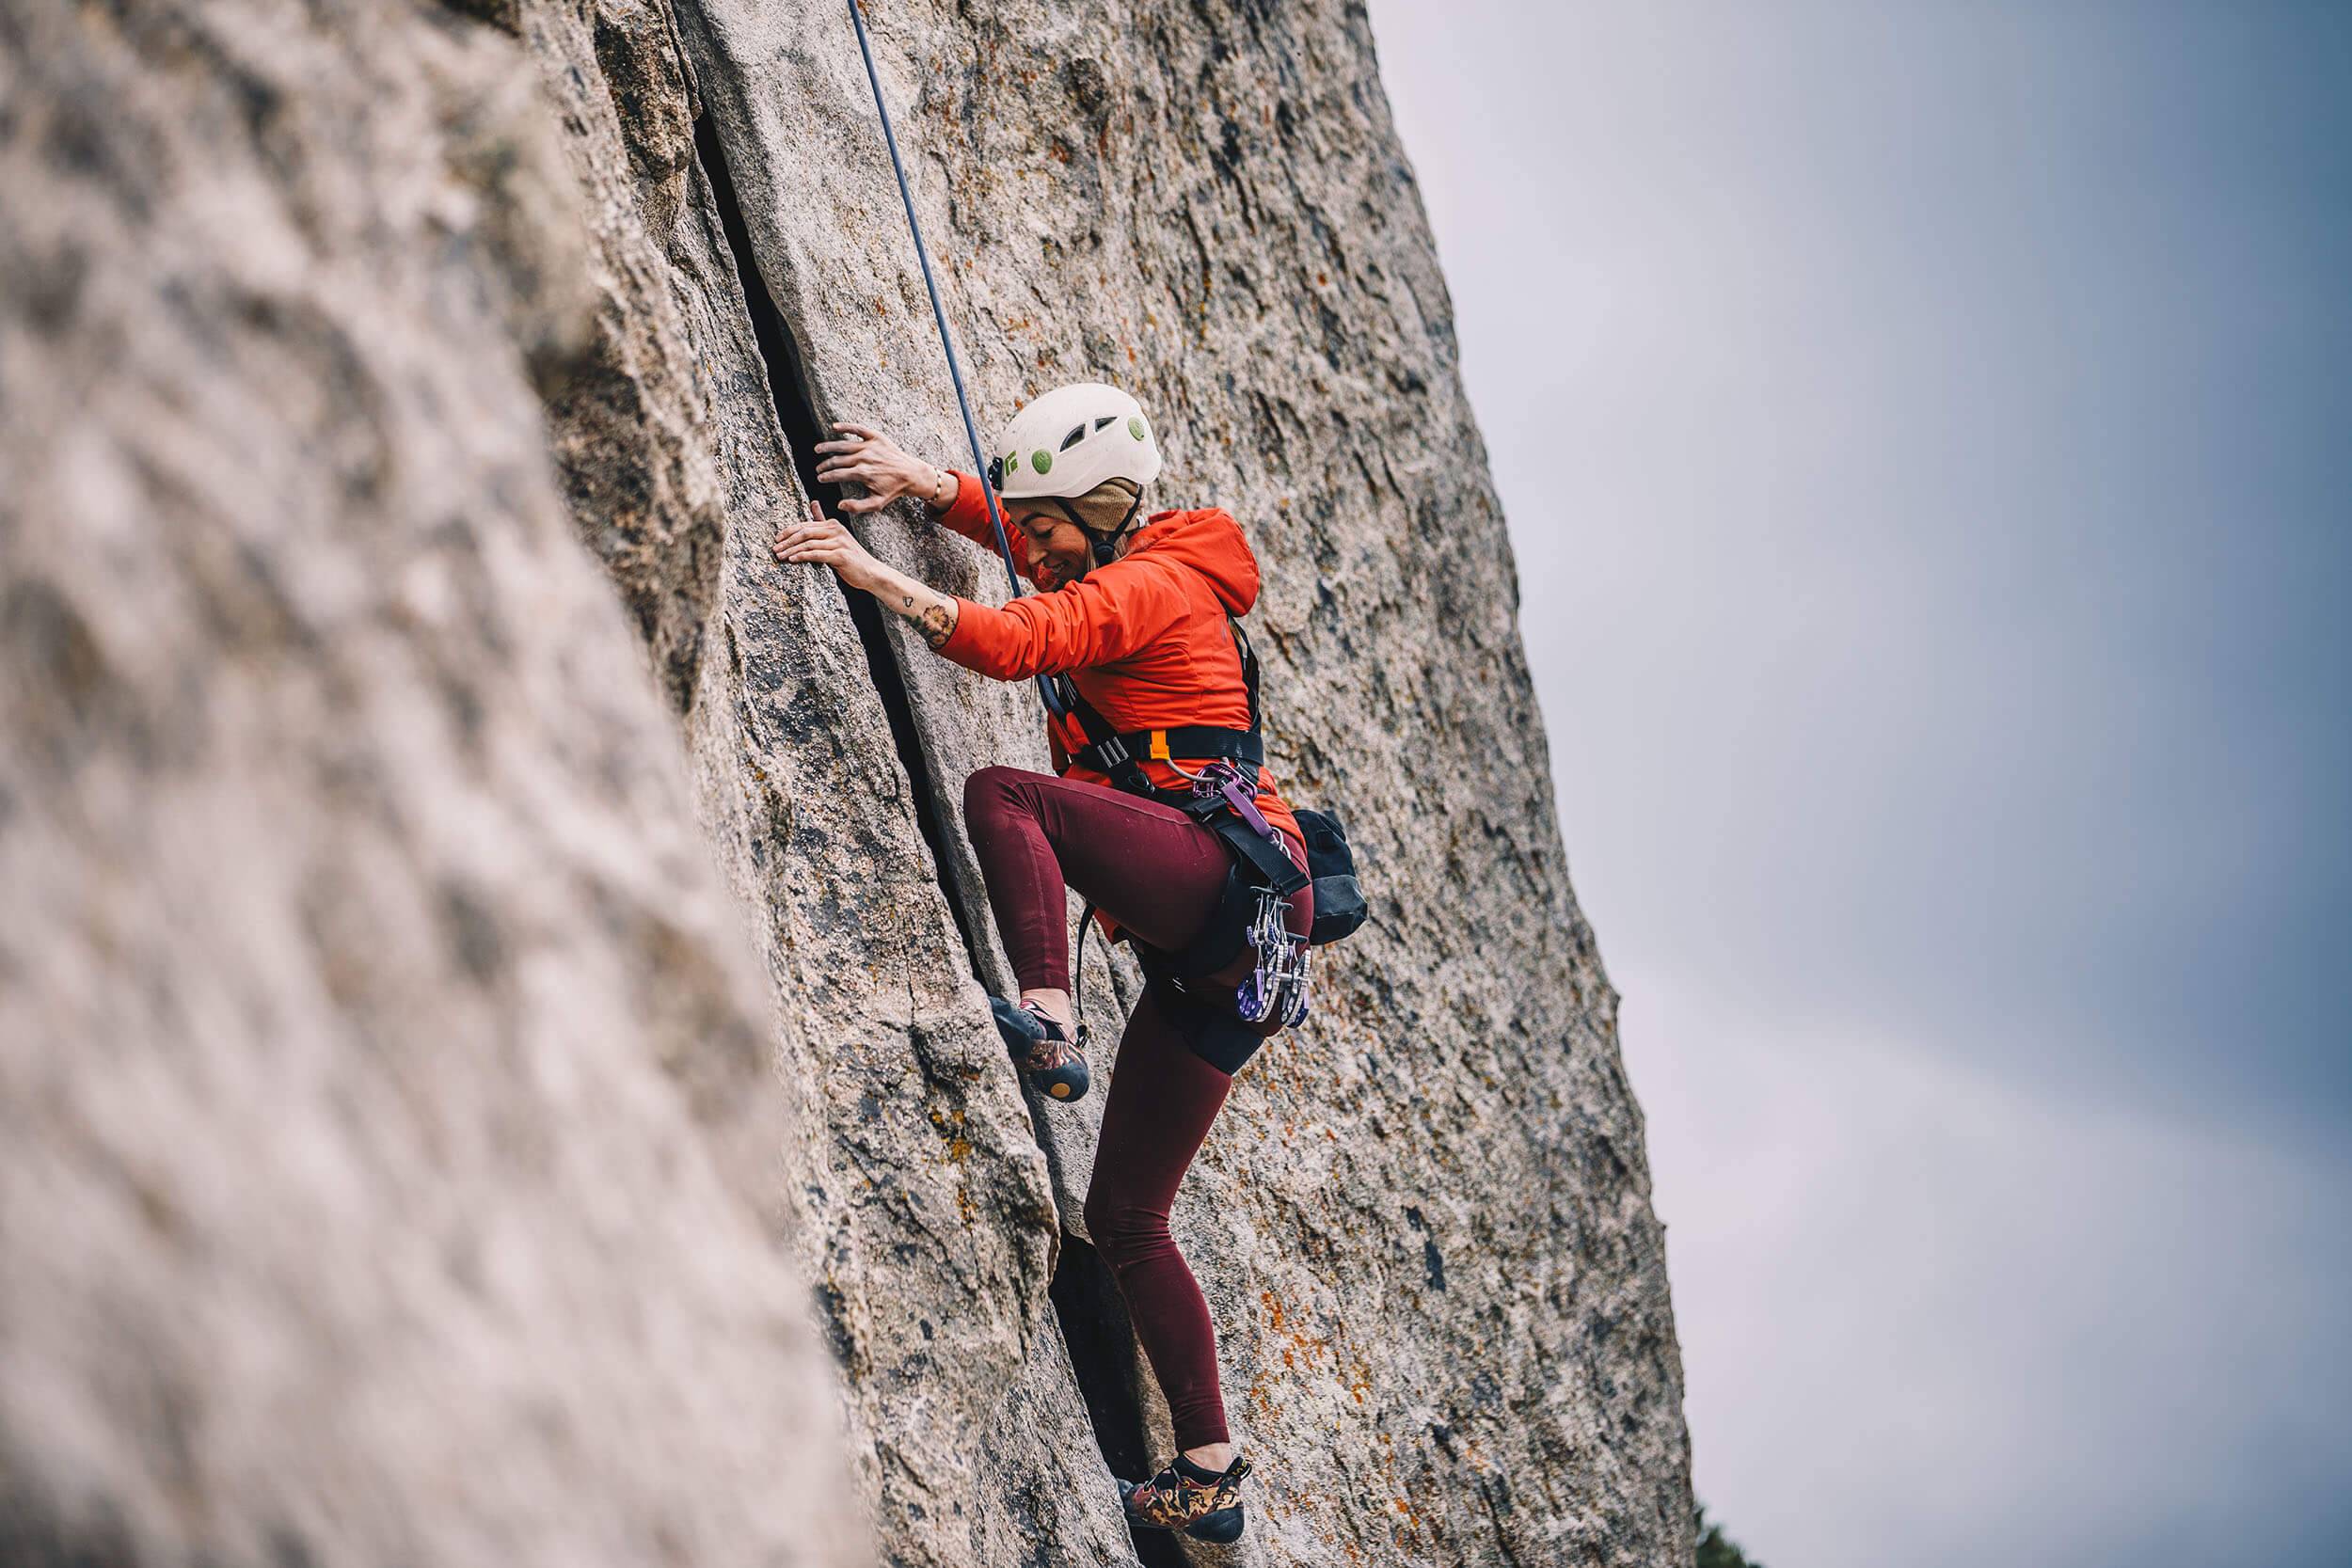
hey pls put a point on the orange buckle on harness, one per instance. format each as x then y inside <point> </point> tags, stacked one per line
<point>1159,747</point>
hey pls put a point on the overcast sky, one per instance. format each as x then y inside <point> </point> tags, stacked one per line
<point>1927,434</point>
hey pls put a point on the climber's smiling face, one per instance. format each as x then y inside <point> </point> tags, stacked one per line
<point>1052,539</point>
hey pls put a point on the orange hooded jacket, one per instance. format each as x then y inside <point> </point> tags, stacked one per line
<point>1143,638</point>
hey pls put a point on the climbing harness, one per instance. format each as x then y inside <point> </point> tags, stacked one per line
<point>1277,986</point>
<point>1254,913</point>
<point>946,340</point>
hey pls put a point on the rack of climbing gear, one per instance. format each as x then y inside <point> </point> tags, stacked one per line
<point>1276,986</point>
<point>947,339</point>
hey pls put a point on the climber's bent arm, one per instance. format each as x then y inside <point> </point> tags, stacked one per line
<point>966,513</point>
<point>824,541</point>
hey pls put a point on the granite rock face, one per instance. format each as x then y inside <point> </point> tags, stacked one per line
<point>931,1241</point>
<point>1423,1221</point>
<point>368,796</point>
<point>387,1126</point>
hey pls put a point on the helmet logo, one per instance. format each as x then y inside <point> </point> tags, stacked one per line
<point>1135,428</point>
<point>1042,461</point>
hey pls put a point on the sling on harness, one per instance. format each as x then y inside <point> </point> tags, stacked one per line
<point>1254,910</point>
<point>1227,806</point>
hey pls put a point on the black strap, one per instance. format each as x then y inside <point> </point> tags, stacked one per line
<point>1107,752</point>
<point>1277,869</point>
<point>1111,754</point>
<point>1118,756</point>
<point>1249,671</point>
<point>1078,978</point>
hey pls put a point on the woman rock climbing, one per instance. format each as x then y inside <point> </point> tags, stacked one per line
<point>1137,621</point>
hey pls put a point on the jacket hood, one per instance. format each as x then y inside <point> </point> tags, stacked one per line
<point>1209,542</point>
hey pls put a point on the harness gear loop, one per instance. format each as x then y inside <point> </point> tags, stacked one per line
<point>946,340</point>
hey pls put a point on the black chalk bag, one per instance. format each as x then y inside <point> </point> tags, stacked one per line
<point>1339,900</point>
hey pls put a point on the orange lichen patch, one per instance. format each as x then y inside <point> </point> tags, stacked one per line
<point>1301,1343</point>
<point>964,1205</point>
<point>950,1125</point>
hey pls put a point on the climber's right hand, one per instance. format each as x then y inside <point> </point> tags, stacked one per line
<point>868,458</point>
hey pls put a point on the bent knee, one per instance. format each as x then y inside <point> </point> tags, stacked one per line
<point>990,792</point>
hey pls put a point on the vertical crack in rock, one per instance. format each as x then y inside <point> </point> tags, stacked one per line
<point>787,386</point>
<point>1102,1343</point>
<point>1094,1323</point>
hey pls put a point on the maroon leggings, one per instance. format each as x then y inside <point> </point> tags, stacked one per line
<point>1158,874</point>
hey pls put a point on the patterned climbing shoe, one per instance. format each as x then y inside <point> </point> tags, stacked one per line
<point>1203,1504</point>
<point>1046,1054</point>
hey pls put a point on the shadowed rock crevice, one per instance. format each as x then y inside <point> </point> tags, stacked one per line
<point>1102,1354</point>
<point>787,383</point>
<point>1093,1319</point>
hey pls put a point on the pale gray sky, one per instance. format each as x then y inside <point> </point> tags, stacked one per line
<point>1927,433</point>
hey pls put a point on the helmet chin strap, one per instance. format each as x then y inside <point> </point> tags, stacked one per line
<point>1105,545</point>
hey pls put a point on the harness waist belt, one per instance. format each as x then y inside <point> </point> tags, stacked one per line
<point>1190,741</point>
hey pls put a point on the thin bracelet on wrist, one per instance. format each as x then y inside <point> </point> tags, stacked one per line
<point>943,479</point>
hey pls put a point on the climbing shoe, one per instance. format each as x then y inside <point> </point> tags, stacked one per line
<point>1205,1504</point>
<point>1044,1052</point>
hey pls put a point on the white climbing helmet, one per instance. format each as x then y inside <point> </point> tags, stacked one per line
<point>1073,438</point>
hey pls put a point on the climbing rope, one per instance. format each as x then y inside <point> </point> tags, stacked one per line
<point>946,342</point>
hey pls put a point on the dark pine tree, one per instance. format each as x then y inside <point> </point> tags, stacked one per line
<point>1716,1549</point>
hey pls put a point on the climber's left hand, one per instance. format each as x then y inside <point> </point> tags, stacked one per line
<point>824,541</point>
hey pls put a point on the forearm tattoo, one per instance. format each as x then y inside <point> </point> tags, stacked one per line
<point>933,614</point>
